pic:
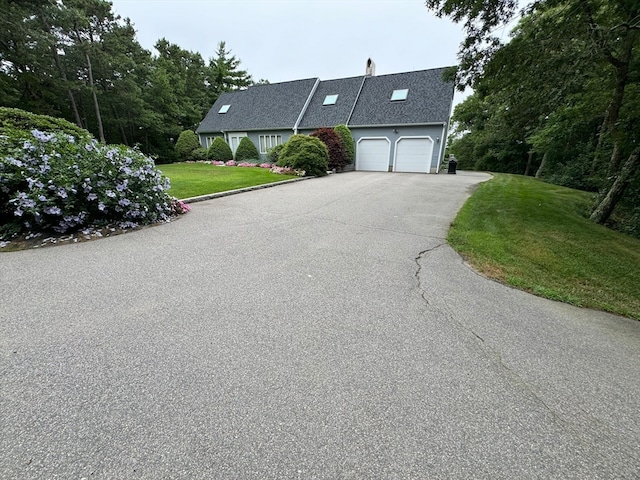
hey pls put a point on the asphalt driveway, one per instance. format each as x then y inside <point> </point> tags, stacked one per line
<point>321,329</point>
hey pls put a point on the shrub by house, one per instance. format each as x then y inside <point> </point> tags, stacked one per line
<point>219,150</point>
<point>302,152</point>
<point>186,144</point>
<point>333,141</point>
<point>347,142</point>
<point>246,151</point>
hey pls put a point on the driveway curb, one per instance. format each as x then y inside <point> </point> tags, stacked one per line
<point>209,196</point>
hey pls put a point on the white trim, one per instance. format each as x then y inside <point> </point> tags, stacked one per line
<point>423,137</point>
<point>443,142</point>
<point>398,125</point>
<point>356,100</point>
<point>306,105</point>
<point>373,138</point>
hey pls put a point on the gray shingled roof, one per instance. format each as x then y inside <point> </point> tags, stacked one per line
<point>278,105</point>
<point>260,107</point>
<point>429,99</point>
<point>319,115</point>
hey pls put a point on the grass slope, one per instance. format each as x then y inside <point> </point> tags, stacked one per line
<point>193,179</point>
<point>535,236</point>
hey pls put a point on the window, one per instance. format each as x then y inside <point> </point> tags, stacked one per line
<point>330,100</point>
<point>224,109</point>
<point>399,95</point>
<point>210,141</point>
<point>267,142</point>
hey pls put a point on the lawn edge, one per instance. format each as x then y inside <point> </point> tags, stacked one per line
<point>210,196</point>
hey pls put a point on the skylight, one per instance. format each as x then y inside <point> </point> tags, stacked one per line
<point>399,95</point>
<point>330,100</point>
<point>224,109</point>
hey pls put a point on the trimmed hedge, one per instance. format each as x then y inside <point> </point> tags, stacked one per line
<point>306,153</point>
<point>199,153</point>
<point>186,144</point>
<point>333,141</point>
<point>246,151</point>
<point>347,142</point>
<point>273,154</point>
<point>219,150</point>
<point>12,119</point>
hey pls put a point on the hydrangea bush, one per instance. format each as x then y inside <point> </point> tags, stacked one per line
<point>53,182</point>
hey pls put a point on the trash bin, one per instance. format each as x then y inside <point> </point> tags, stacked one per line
<point>452,166</point>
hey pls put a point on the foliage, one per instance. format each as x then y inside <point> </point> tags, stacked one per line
<point>78,60</point>
<point>570,115</point>
<point>347,142</point>
<point>53,182</point>
<point>199,153</point>
<point>333,142</point>
<point>199,178</point>
<point>186,144</point>
<point>16,119</point>
<point>224,74</point>
<point>219,150</point>
<point>302,152</point>
<point>535,236</point>
<point>273,154</point>
<point>246,151</point>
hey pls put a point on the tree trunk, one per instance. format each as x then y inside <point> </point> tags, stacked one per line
<point>603,210</point>
<point>95,99</point>
<point>621,66</point>
<point>528,167</point>
<point>542,165</point>
<point>63,76</point>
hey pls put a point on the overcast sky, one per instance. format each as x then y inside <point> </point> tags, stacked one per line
<point>282,40</point>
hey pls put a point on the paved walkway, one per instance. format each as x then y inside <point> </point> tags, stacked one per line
<point>321,329</point>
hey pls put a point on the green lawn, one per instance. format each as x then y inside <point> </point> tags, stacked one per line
<point>535,236</point>
<point>193,179</point>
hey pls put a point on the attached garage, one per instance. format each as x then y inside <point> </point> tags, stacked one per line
<point>373,154</point>
<point>413,154</point>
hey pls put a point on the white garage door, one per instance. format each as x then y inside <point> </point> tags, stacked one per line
<point>373,154</point>
<point>413,155</point>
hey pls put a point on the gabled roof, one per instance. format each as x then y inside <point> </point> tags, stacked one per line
<point>428,101</point>
<point>319,115</point>
<point>362,101</point>
<point>259,107</point>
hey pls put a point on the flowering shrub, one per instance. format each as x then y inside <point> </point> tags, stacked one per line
<point>51,181</point>
<point>287,171</point>
<point>178,207</point>
<point>245,164</point>
<point>230,163</point>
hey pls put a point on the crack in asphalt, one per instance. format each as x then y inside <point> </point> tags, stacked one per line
<point>490,352</point>
<point>419,270</point>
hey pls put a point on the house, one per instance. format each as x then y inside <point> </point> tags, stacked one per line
<point>399,122</point>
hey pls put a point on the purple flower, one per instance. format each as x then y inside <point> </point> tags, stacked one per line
<point>110,194</point>
<point>92,196</point>
<point>101,207</point>
<point>52,210</point>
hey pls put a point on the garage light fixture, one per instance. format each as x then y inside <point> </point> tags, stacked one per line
<point>398,95</point>
<point>224,109</point>
<point>330,100</point>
